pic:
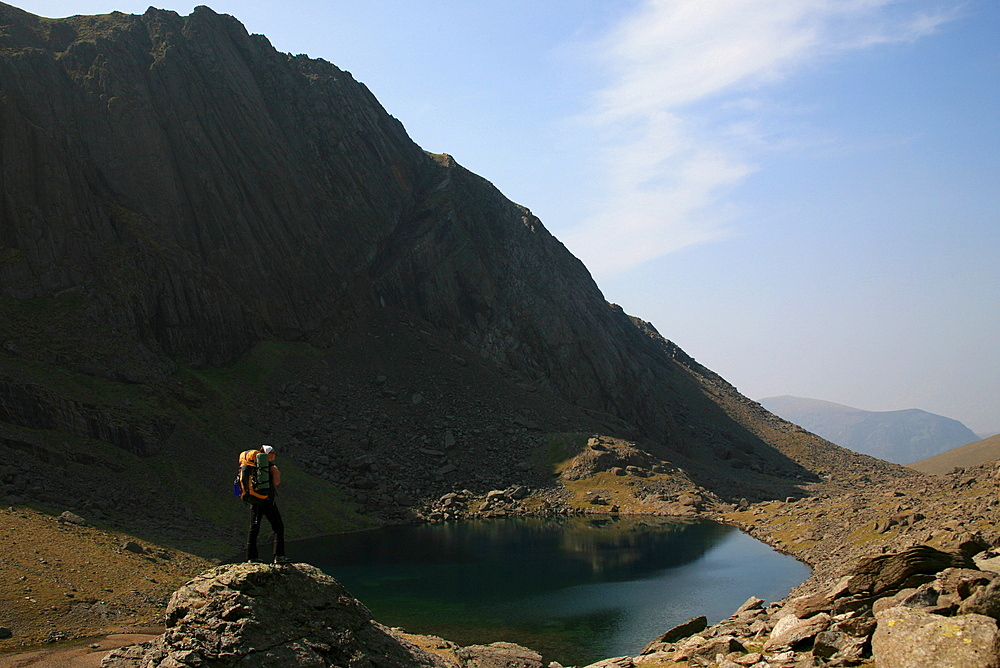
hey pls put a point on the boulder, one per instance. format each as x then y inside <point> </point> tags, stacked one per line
<point>790,631</point>
<point>808,605</point>
<point>260,615</point>
<point>688,628</point>
<point>905,638</point>
<point>886,572</point>
<point>499,655</point>
<point>836,645</point>
<point>616,662</point>
<point>68,517</point>
<point>752,603</point>
<point>985,601</point>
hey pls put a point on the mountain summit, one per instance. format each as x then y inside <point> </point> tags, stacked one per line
<point>903,437</point>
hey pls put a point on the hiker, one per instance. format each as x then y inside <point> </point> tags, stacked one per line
<point>258,485</point>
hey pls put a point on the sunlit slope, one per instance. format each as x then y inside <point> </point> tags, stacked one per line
<point>963,456</point>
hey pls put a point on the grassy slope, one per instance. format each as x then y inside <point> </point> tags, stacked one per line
<point>963,456</point>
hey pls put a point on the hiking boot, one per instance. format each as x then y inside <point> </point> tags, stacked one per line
<point>282,560</point>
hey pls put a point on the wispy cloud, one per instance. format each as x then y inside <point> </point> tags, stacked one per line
<point>667,167</point>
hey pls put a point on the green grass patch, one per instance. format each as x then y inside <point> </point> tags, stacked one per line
<point>558,449</point>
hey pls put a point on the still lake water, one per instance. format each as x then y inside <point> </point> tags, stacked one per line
<point>576,589</point>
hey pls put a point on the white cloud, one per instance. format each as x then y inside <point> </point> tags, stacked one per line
<point>665,166</point>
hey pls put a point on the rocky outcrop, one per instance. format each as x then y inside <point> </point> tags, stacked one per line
<point>261,615</point>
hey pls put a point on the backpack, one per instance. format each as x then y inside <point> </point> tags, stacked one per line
<point>254,476</point>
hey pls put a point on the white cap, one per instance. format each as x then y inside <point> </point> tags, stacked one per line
<point>267,449</point>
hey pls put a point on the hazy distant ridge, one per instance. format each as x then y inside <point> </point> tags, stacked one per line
<point>902,437</point>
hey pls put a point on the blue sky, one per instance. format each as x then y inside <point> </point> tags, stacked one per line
<point>803,194</point>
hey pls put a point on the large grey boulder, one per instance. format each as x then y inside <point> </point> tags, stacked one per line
<point>259,616</point>
<point>905,638</point>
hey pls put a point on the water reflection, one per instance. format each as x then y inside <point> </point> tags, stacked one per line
<point>576,589</point>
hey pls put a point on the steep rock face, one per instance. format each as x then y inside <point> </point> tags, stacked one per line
<point>175,189</point>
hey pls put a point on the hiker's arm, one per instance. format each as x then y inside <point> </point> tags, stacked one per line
<point>275,475</point>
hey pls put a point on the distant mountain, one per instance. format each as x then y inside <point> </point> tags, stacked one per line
<point>963,456</point>
<point>901,437</point>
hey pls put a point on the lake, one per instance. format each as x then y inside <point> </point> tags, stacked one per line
<point>576,589</point>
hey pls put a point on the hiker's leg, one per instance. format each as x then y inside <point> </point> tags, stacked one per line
<point>274,517</point>
<point>255,517</point>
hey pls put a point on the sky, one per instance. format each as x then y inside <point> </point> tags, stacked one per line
<point>802,194</point>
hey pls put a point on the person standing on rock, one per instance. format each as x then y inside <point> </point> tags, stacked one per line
<point>259,479</point>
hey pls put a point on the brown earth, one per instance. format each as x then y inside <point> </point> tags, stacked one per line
<point>60,581</point>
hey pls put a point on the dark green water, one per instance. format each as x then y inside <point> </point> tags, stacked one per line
<point>575,589</point>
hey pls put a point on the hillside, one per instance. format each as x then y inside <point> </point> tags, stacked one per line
<point>965,456</point>
<point>61,580</point>
<point>901,437</point>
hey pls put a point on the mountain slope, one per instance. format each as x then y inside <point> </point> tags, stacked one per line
<point>896,436</point>
<point>206,243</point>
<point>964,456</point>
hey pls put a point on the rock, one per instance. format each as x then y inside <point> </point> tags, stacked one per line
<point>808,605</point>
<point>985,601</point>
<point>71,518</point>
<point>260,615</point>
<point>616,662</point>
<point>133,546</point>
<point>923,598</point>
<point>962,582</point>
<point>832,643</point>
<point>708,648</point>
<point>905,638</point>
<point>752,603</point>
<point>688,628</point>
<point>499,655</point>
<point>518,492</point>
<point>790,631</point>
<point>885,572</point>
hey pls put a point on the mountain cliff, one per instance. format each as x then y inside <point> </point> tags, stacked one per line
<point>206,243</point>
<point>902,437</point>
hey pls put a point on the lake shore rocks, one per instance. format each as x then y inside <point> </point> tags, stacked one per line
<point>916,607</point>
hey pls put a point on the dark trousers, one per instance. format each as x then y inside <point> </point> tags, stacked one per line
<point>268,509</point>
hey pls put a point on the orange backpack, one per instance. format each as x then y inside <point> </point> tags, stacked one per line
<point>253,478</point>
